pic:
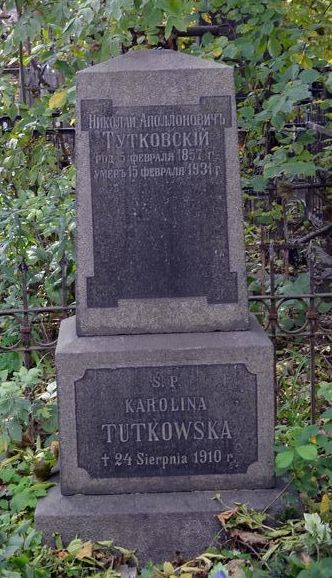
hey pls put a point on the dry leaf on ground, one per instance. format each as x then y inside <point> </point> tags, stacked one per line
<point>224,516</point>
<point>249,537</point>
<point>168,568</point>
<point>235,567</point>
<point>61,554</point>
<point>85,551</point>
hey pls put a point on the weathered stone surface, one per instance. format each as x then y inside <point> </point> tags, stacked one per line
<point>159,236</point>
<point>157,526</point>
<point>153,413</point>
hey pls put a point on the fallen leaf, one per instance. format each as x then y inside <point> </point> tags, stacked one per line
<point>168,568</point>
<point>274,533</point>
<point>223,516</point>
<point>61,554</point>
<point>54,447</point>
<point>85,551</point>
<point>75,546</point>
<point>305,558</point>
<point>249,537</point>
<point>324,506</point>
<point>235,568</point>
<point>271,550</point>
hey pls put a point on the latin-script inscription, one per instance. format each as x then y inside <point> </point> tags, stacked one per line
<point>159,207</point>
<point>166,421</point>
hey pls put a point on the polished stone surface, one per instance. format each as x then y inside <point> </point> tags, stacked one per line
<point>179,420</point>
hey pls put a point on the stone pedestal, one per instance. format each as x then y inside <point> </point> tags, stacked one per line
<point>157,526</point>
<point>157,406</point>
<point>215,392</point>
<point>167,412</point>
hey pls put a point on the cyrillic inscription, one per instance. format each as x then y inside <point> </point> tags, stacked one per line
<point>150,421</point>
<point>158,188</point>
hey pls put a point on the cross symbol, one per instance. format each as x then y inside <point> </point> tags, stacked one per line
<point>105,459</point>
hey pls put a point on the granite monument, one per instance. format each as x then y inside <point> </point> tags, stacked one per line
<point>165,382</point>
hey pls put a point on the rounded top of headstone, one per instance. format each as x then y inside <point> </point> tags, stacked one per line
<point>152,60</point>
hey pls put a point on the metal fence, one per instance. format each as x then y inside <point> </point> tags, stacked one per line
<point>301,317</point>
<point>276,254</point>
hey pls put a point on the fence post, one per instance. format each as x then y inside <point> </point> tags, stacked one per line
<point>312,317</point>
<point>64,270</point>
<point>273,317</point>
<point>25,322</point>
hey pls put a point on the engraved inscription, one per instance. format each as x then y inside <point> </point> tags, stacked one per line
<point>150,421</point>
<point>158,190</point>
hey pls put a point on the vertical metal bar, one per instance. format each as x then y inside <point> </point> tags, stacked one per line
<point>263,258</point>
<point>312,316</point>
<point>273,316</point>
<point>64,277</point>
<point>25,323</point>
<point>286,236</point>
<point>201,21</point>
<point>23,92</point>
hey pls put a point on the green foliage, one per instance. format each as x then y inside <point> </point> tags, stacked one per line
<point>278,549</point>
<point>321,569</point>
<point>292,313</point>
<point>37,211</point>
<point>318,533</point>
<point>293,548</point>
<point>19,542</point>
<point>292,310</point>
<point>22,554</point>
<point>325,391</point>
<point>25,414</point>
<point>278,54</point>
<point>306,456</point>
<point>279,51</point>
<point>21,491</point>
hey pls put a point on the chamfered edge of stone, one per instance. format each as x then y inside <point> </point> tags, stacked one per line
<point>70,342</point>
<point>77,484</point>
<point>147,59</point>
<point>91,326</point>
<point>138,502</point>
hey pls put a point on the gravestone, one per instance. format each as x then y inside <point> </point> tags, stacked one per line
<point>159,235</point>
<point>165,384</point>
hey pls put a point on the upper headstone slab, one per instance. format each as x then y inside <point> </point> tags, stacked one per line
<point>159,236</point>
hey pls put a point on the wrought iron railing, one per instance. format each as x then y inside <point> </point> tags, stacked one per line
<point>295,316</point>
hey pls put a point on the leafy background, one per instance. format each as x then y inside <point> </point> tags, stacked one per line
<point>281,52</point>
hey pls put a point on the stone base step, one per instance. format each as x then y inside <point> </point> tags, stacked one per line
<point>158,526</point>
